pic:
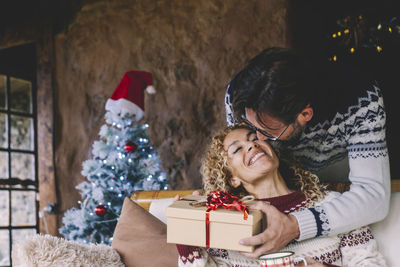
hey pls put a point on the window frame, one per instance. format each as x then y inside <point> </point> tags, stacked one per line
<point>10,183</point>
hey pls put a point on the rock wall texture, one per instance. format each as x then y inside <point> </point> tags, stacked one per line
<point>192,48</point>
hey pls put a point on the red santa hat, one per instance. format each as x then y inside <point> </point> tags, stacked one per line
<point>128,97</point>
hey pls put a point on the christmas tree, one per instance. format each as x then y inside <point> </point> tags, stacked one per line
<point>123,161</point>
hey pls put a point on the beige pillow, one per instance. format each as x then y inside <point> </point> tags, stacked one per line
<point>141,239</point>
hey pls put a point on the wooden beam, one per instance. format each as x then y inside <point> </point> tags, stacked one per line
<point>395,186</point>
<point>45,126</point>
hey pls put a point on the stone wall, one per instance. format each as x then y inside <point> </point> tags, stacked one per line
<point>192,48</point>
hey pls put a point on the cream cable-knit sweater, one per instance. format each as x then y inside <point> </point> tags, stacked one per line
<point>356,248</point>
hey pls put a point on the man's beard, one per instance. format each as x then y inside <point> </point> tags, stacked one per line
<point>292,140</point>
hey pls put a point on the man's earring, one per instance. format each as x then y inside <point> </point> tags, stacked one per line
<point>235,182</point>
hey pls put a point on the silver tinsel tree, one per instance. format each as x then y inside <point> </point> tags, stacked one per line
<point>123,161</point>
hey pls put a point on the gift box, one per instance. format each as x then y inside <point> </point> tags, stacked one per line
<point>187,225</point>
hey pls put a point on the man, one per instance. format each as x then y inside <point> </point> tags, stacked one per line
<point>325,118</point>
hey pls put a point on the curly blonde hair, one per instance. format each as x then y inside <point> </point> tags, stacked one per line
<point>216,172</point>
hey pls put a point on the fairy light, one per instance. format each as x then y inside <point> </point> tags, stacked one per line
<point>379,26</point>
<point>339,34</point>
<point>352,50</point>
<point>346,31</point>
<point>378,48</point>
<point>390,30</point>
<point>334,35</point>
<point>334,58</point>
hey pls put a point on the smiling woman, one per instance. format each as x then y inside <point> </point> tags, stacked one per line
<point>239,163</point>
<point>231,160</point>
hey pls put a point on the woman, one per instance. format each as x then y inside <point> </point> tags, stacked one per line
<point>239,163</point>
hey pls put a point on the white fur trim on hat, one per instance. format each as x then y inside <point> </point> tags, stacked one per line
<point>124,106</point>
<point>150,89</point>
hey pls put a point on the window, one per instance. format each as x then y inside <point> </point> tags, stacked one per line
<point>18,163</point>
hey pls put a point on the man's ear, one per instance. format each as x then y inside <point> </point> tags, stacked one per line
<point>305,115</point>
<point>235,181</point>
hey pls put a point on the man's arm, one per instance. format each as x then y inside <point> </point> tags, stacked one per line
<point>367,201</point>
<point>228,105</point>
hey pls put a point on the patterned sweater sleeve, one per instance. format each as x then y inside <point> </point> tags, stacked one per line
<point>228,105</point>
<point>367,201</point>
<point>359,248</point>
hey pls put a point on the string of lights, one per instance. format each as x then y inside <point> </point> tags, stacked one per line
<point>360,32</point>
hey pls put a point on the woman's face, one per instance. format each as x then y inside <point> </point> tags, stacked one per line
<point>248,158</point>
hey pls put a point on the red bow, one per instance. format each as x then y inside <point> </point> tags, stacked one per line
<point>223,199</point>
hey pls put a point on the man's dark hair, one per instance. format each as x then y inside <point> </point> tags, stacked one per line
<point>275,82</point>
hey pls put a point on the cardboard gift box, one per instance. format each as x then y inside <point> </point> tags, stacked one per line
<point>186,225</point>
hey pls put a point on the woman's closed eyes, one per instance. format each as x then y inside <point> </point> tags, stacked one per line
<point>251,136</point>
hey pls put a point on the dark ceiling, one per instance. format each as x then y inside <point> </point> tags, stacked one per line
<point>17,14</point>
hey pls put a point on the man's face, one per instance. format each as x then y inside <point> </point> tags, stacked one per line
<point>272,126</point>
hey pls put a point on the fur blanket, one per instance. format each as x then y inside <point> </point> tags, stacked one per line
<point>47,250</point>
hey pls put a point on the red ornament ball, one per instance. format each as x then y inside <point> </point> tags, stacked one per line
<point>130,147</point>
<point>100,210</point>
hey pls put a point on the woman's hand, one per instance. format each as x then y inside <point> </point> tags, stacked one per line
<point>196,193</point>
<point>281,229</point>
<point>311,263</point>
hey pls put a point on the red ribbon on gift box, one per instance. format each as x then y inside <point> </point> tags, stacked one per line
<point>223,199</point>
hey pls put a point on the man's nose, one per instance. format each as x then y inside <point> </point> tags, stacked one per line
<point>260,136</point>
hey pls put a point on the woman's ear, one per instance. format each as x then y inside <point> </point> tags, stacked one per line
<point>235,181</point>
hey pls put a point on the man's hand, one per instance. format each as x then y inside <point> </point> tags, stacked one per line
<point>281,229</point>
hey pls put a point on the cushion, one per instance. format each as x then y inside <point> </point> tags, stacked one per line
<point>141,239</point>
<point>51,251</point>
<point>387,232</point>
